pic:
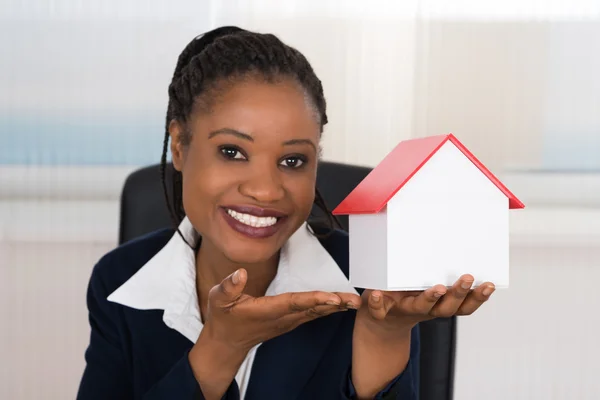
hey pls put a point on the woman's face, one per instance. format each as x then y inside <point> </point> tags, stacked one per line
<point>249,172</point>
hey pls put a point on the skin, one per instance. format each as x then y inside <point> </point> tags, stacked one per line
<point>384,322</point>
<point>257,144</point>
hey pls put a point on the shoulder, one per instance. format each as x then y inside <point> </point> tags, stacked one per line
<point>120,264</point>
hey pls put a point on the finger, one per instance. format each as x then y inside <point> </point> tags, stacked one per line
<point>298,302</point>
<point>349,300</point>
<point>317,312</point>
<point>377,306</point>
<point>423,302</point>
<point>230,289</point>
<point>449,304</point>
<point>476,298</point>
<point>291,321</point>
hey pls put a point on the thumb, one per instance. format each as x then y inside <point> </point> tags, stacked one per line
<point>376,305</point>
<point>231,288</point>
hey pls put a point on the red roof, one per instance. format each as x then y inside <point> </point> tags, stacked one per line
<point>373,193</point>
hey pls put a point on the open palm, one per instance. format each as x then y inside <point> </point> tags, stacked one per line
<point>437,301</point>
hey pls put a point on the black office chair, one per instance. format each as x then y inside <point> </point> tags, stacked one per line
<point>144,210</point>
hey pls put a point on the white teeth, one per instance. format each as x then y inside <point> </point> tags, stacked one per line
<point>252,220</point>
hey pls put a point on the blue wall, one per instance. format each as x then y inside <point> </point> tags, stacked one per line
<point>92,140</point>
<point>136,139</point>
<point>91,89</point>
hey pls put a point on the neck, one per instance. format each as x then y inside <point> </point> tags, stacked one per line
<point>212,267</point>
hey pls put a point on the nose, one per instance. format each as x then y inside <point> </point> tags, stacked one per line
<point>264,185</point>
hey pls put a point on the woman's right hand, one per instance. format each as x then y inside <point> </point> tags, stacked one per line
<point>236,322</point>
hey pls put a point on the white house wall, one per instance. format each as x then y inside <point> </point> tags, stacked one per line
<point>369,251</point>
<point>449,219</point>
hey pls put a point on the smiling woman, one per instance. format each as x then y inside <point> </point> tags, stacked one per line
<point>257,303</point>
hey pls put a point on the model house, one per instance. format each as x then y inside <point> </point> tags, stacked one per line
<point>427,214</point>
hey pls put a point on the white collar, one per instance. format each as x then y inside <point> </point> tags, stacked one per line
<point>168,281</point>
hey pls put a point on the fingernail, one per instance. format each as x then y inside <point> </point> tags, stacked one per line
<point>236,277</point>
<point>350,305</point>
<point>376,296</point>
<point>438,294</point>
<point>333,302</point>
<point>466,285</point>
<point>488,290</point>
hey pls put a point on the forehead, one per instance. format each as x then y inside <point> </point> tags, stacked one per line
<point>261,109</point>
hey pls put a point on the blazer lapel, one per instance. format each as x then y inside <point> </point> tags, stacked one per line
<point>285,364</point>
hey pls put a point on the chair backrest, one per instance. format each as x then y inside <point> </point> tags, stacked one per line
<point>144,210</point>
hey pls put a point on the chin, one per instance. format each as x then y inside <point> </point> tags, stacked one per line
<point>253,253</point>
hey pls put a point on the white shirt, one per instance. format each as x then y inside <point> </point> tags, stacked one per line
<point>168,282</point>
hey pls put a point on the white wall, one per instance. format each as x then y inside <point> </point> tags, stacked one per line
<point>538,339</point>
<point>44,317</point>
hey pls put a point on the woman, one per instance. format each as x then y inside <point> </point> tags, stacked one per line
<point>244,284</point>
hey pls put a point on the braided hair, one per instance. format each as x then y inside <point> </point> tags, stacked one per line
<point>221,55</point>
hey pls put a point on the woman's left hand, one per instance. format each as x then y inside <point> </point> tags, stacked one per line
<point>406,309</point>
<point>385,320</point>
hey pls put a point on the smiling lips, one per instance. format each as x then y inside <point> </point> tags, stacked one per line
<point>253,221</point>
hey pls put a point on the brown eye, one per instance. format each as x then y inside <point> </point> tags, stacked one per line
<point>232,153</point>
<point>292,162</point>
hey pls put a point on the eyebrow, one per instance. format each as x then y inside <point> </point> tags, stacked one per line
<point>233,132</point>
<point>245,136</point>
<point>300,141</point>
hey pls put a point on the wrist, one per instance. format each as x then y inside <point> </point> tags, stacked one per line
<point>380,352</point>
<point>214,360</point>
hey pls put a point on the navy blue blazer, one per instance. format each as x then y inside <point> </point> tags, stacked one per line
<point>132,354</point>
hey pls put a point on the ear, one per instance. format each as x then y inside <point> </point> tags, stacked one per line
<point>175,131</point>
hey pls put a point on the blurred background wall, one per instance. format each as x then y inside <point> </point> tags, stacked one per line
<point>83,93</point>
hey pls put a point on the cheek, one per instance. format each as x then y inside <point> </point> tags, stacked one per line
<point>302,193</point>
<point>203,185</point>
